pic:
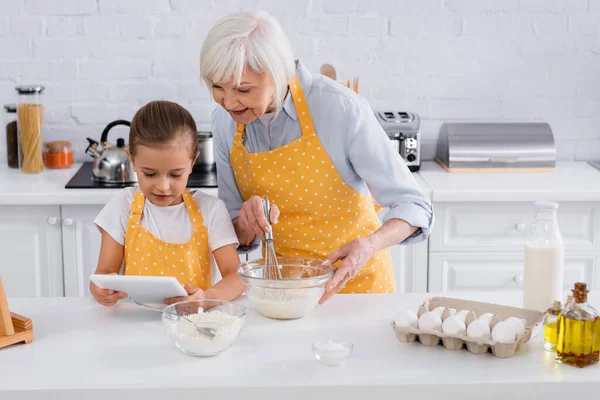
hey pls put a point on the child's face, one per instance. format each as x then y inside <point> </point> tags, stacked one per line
<point>163,171</point>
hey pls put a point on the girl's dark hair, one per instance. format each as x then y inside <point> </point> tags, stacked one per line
<point>160,122</point>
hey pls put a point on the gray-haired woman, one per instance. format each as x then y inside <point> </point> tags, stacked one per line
<point>315,149</point>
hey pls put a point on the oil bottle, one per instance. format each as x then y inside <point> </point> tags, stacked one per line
<point>578,336</point>
<point>551,326</point>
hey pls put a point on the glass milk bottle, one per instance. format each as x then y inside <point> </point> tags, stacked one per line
<point>544,260</point>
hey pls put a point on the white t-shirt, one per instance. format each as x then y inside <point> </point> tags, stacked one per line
<point>171,224</point>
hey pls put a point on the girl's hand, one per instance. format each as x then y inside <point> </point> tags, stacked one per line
<point>106,297</point>
<point>252,220</point>
<point>353,255</point>
<point>193,292</point>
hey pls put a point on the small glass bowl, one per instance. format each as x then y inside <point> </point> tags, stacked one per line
<point>332,353</point>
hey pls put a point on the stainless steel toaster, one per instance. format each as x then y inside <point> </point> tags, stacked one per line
<point>403,129</point>
<point>516,145</point>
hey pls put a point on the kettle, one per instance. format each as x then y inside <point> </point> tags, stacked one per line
<point>111,164</point>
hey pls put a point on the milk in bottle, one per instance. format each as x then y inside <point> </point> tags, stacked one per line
<point>544,260</point>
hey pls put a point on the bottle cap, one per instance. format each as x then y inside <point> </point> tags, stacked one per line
<point>580,292</point>
<point>546,205</point>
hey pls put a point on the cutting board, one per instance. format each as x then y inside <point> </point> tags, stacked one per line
<point>14,328</point>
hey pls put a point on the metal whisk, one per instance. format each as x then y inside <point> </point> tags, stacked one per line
<point>271,268</point>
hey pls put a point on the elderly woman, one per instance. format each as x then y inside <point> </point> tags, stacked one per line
<point>315,149</point>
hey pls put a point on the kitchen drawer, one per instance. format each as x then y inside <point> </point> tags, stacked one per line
<point>497,272</point>
<point>504,226</point>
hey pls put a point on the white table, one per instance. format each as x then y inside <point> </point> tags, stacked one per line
<point>83,350</point>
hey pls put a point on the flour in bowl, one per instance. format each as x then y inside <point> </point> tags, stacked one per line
<point>285,303</point>
<point>190,341</point>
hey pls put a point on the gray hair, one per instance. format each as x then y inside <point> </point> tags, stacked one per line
<point>253,39</point>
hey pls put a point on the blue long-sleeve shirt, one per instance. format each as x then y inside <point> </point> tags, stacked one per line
<point>353,138</point>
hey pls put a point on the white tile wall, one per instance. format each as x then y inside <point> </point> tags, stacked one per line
<point>445,59</point>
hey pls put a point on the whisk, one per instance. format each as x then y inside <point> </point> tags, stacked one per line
<point>271,267</point>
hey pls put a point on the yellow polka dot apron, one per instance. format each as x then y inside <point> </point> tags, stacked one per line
<point>146,255</point>
<point>319,212</point>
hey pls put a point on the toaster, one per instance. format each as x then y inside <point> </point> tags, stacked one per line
<point>402,128</point>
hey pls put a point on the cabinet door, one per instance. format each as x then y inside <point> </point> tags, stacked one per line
<point>410,267</point>
<point>30,245</point>
<point>81,246</point>
<point>465,227</point>
<point>497,272</point>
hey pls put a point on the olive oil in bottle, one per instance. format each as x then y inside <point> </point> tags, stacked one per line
<point>551,326</point>
<point>578,335</point>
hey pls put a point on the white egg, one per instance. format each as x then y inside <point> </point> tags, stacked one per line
<point>462,314</point>
<point>486,317</point>
<point>518,324</point>
<point>504,332</point>
<point>453,325</point>
<point>439,311</point>
<point>478,329</point>
<point>407,318</point>
<point>430,321</point>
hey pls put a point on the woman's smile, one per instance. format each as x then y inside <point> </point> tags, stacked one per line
<point>239,112</point>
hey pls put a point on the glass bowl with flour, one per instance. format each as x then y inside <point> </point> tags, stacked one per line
<point>225,317</point>
<point>295,295</point>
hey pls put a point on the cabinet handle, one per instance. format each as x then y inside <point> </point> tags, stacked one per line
<point>68,221</point>
<point>52,220</point>
<point>520,227</point>
<point>518,279</point>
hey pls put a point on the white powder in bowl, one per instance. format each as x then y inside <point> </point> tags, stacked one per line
<point>190,341</point>
<point>285,303</point>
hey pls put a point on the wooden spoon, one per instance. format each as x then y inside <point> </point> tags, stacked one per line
<point>329,71</point>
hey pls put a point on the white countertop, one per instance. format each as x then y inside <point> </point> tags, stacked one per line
<point>572,181</point>
<point>48,188</point>
<point>84,350</point>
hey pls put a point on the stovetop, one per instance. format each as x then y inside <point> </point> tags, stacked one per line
<point>83,179</point>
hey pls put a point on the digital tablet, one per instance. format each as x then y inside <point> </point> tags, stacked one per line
<point>149,289</point>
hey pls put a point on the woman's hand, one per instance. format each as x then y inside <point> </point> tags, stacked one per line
<point>252,220</point>
<point>353,255</point>
<point>194,293</point>
<point>106,297</point>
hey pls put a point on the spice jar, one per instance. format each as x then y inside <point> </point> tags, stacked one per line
<point>30,115</point>
<point>58,154</point>
<point>13,152</point>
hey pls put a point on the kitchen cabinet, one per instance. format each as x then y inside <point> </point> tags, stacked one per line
<point>492,226</point>
<point>499,272</point>
<point>30,244</point>
<point>410,264</point>
<point>478,246</point>
<point>81,247</point>
<point>410,267</point>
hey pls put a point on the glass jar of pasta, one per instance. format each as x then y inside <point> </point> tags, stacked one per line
<point>30,116</point>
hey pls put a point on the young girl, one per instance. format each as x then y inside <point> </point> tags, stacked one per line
<point>162,228</point>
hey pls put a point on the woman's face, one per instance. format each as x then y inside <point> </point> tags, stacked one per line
<point>252,98</point>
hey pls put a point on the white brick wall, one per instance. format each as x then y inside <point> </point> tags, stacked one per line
<point>445,59</point>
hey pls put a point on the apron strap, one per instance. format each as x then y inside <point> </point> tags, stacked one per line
<point>137,208</point>
<point>301,105</point>
<point>193,211</point>
<point>239,133</point>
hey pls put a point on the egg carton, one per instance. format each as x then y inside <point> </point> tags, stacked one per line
<point>474,345</point>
